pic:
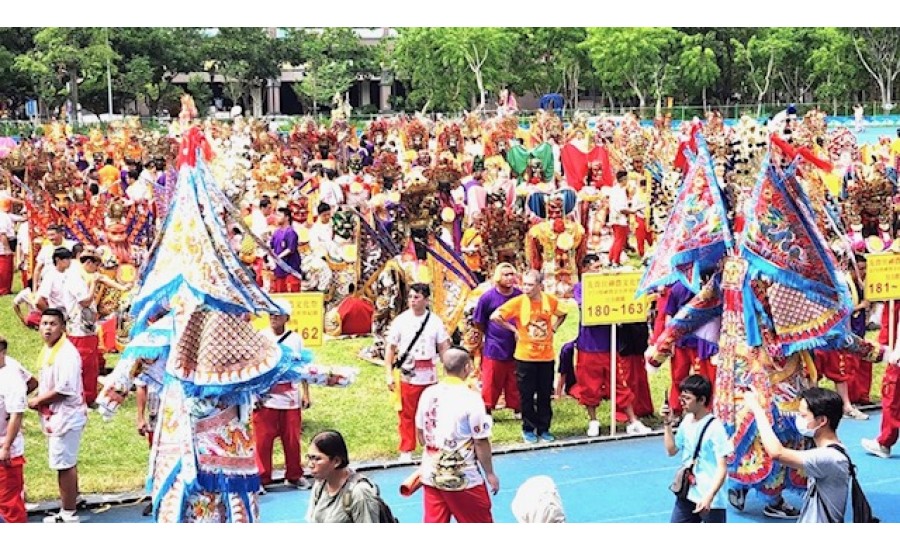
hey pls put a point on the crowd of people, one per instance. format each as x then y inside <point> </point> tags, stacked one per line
<point>459,243</point>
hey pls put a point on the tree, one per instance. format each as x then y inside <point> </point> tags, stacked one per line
<point>642,57</point>
<point>149,60</point>
<point>15,85</point>
<point>699,69</point>
<point>332,61</point>
<point>246,57</point>
<point>794,70</point>
<point>879,51</point>
<point>66,56</point>
<point>758,57</point>
<point>485,51</point>
<point>548,59</point>
<point>417,58</point>
<point>834,66</point>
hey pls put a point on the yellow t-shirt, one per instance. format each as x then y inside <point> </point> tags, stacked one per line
<point>535,341</point>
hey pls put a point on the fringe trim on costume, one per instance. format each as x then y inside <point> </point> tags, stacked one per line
<point>164,488</point>
<point>227,483</point>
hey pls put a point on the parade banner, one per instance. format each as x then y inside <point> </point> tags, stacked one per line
<point>882,277</point>
<point>609,298</point>
<point>307,316</point>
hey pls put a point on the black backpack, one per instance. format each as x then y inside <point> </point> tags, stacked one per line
<point>862,512</point>
<point>385,515</point>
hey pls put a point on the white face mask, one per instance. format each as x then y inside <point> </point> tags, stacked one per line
<point>803,427</point>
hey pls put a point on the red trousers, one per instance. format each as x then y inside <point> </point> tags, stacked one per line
<point>470,506</point>
<point>640,386</point>
<point>620,239</point>
<point>6,274</point>
<point>592,374</point>
<point>108,342</point>
<point>12,488</point>
<point>834,365</point>
<point>91,359</point>
<point>288,283</point>
<point>685,363</point>
<point>890,407</point>
<point>499,377</point>
<point>409,401</point>
<point>284,424</point>
<point>886,323</point>
<point>642,234</point>
<point>860,384</point>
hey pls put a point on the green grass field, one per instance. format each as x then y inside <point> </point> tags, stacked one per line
<point>114,457</point>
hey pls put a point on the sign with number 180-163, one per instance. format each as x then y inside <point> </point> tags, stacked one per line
<point>608,298</point>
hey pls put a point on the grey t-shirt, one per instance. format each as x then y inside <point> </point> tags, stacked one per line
<point>829,472</point>
<point>330,508</point>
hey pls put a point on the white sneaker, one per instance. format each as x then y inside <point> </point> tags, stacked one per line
<point>637,428</point>
<point>856,414</point>
<point>60,518</point>
<point>593,428</point>
<point>405,457</point>
<point>873,447</point>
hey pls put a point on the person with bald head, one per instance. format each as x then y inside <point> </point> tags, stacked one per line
<point>455,431</point>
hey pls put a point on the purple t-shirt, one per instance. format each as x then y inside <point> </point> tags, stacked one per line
<point>499,343</point>
<point>594,339</point>
<point>285,238</point>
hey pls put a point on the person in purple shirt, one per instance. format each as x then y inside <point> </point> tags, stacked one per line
<point>691,354</point>
<point>284,243</point>
<point>498,367</point>
<point>592,368</point>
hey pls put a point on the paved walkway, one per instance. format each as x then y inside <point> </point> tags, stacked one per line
<point>621,481</point>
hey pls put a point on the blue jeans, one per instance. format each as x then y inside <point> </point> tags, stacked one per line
<point>684,513</point>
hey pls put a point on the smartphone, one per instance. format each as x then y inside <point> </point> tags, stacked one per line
<point>666,398</point>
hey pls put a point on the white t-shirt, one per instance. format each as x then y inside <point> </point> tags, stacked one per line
<point>64,291</point>
<point>63,375</point>
<point>401,334</point>
<point>451,417</point>
<point>25,296</point>
<point>7,227</point>
<point>330,192</point>
<point>618,201</point>
<point>13,392</point>
<point>140,191</point>
<point>45,256</point>
<point>284,397</point>
<point>321,237</point>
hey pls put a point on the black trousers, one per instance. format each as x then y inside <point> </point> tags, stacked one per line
<point>535,381</point>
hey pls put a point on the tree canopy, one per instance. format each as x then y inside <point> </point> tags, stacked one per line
<point>452,69</point>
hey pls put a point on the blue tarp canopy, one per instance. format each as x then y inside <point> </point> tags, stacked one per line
<point>552,101</point>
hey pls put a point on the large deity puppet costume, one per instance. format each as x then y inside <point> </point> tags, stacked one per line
<point>190,313</point>
<point>412,252</point>
<point>774,290</point>
<point>585,163</point>
<point>553,246</point>
<point>534,166</point>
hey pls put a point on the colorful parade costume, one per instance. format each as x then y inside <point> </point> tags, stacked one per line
<point>779,297</point>
<point>191,308</point>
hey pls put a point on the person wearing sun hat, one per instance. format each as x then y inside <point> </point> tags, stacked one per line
<point>279,413</point>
